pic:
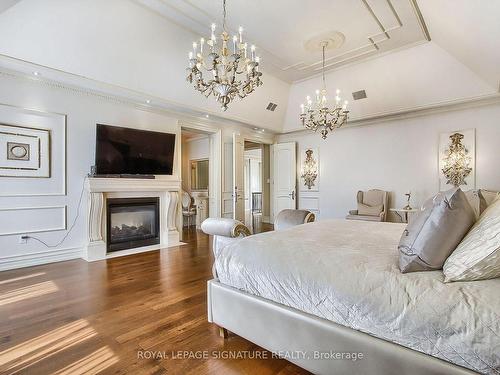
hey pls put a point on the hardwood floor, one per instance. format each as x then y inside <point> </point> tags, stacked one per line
<point>127,315</point>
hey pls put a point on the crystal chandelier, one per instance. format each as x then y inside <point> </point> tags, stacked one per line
<point>319,116</point>
<point>233,71</point>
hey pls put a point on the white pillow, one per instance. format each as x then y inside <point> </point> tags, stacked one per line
<point>476,201</point>
<point>477,257</point>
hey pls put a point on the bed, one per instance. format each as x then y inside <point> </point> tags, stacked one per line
<point>318,293</point>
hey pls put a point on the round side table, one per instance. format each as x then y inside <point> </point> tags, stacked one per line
<point>403,213</point>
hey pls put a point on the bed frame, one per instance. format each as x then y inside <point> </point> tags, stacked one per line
<point>279,328</point>
<point>291,332</point>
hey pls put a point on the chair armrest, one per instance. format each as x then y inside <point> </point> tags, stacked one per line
<point>353,212</point>
<point>225,227</point>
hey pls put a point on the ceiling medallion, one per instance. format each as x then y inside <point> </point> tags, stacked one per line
<point>233,72</point>
<point>319,116</point>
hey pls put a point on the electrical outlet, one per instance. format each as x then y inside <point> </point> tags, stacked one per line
<point>23,239</point>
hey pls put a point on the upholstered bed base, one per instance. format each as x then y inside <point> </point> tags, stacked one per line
<point>291,332</point>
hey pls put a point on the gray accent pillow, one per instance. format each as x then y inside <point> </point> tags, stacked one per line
<point>432,236</point>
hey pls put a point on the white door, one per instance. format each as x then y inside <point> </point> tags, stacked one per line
<point>227,185</point>
<point>238,177</point>
<point>284,176</point>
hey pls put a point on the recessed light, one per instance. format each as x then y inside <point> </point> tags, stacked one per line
<point>36,73</point>
<point>207,116</point>
<point>148,101</point>
<point>255,128</point>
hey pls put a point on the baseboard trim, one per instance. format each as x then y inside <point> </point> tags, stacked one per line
<point>42,257</point>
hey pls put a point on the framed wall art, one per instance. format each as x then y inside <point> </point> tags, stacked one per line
<point>24,151</point>
<point>32,152</point>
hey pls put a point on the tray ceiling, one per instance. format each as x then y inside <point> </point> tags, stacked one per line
<point>281,28</point>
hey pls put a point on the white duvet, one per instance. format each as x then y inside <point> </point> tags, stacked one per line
<point>347,272</point>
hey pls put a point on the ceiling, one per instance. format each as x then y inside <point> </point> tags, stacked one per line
<point>470,31</point>
<point>280,28</point>
<point>6,4</point>
<point>188,135</point>
<point>70,41</point>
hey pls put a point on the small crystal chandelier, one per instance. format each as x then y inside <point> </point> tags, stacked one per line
<point>309,169</point>
<point>320,116</point>
<point>234,73</point>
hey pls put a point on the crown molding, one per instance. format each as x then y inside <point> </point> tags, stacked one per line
<point>192,117</point>
<point>418,111</point>
<point>14,68</point>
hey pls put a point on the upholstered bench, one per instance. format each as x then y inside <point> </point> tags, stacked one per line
<point>226,231</point>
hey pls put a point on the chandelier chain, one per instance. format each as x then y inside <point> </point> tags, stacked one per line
<point>224,15</point>
<point>324,83</point>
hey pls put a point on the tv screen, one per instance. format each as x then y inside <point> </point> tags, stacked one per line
<point>132,151</point>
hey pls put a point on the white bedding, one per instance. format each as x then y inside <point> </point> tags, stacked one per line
<point>347,272</point>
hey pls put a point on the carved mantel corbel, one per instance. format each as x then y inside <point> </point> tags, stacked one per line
<point>95,216</point>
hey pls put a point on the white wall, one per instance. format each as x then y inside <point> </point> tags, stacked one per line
<point>398,156</point>
<point>122,43</point>
<point>83,112</point>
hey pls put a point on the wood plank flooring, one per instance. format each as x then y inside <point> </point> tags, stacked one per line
<point>127,315</point>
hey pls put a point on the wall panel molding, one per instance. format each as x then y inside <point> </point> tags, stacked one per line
<point>53,218</point>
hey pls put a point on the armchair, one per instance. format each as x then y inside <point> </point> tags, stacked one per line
<point>372,206</point>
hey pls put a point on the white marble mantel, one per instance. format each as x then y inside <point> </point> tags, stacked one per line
<point>100,189</point>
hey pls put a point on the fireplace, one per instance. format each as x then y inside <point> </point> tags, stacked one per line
<point>132,222</point>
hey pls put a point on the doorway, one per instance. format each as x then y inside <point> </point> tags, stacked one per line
<point>256,185</point>
<point>253,184</point>
<point>238,174</point>
<point>199,176</point>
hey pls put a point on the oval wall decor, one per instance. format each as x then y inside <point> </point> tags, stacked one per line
<point>19,151</point>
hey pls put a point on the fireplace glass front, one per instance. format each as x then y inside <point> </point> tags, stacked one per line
<point>132,222</point>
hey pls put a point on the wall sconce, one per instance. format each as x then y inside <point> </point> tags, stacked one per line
<point>456,161</point>
<point>309,171</point>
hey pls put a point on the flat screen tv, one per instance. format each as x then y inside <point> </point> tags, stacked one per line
<point>125,151</point>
